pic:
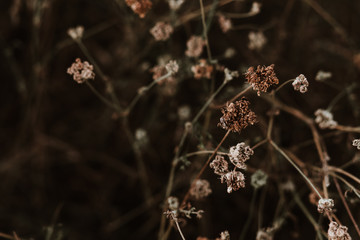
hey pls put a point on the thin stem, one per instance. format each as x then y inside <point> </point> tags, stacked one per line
<point>203,152</point>
<point>234,98</point>
<point>296,167</point>
<point>339,170</point>
<point>250,215</point>
<point>347,129</point>
<point>179,229</point>
<point>187,195</point>
<point>259,144</point>
<point>283,84</point>
<point>346,206</point>
<point>205,30</point>
<point>100,96</point>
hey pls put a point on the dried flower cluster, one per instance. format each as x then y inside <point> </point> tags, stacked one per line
<point>76,33</point>
<point>81,71</point>
<point>324,119</point>
<point>195,46</point>
<point>257,40</point>
<point>325,204</point>
<point>237,116</point>
<point>239,154</point>
<point>220,165</point>
<point>356,143</point>
<point>200,189</point>
<point>172,67</point>
<point>140,7</point>
<point>168,85</point>
<point>225,23</point>
<point>301,84</point>
<point>338,232</point>
<point>234,180</point>
<point>261,78</point>
<point>161,31</point>
<point>202,70</point>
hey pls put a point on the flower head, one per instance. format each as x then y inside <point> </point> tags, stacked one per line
<point>202,70</point>
<point>219,165</point>
<point>257,40</point>
<point>140,7</point>
<point>237,116</point>
<point>225,23</point>
<point>234,180</point>
<point>76,33</point>
<point>325,119</point>
<point>356,143</point>
<point>81,71</point>
<point>338,232</point>
<point>258,179</point>
<point>200,189</point>
<point>261,78</point>
<point>172,67</point>
<point>161,31</point>
<point>195,46</point>
<point>239,154</point>
<point>300,83</point>
<point>325,204</point>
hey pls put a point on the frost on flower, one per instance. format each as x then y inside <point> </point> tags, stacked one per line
<point>325,119</point>
<point>300,84</point>
<point>81,71</point>
<point>338,232</point>
<point>239,154</point>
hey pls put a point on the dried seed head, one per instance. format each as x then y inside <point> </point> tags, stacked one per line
<point>356,143</point>
<point>300,84</point>
<point>202,70</point>
<point>257,40</point>
<point>234,180</point>
<point>140,7</point>
<point>200,189</point>
<point>325,204</point>
<point>258,179</point>
<point>161,31</point>
<point>324,119</point>
<point>220,165</point>
<point>76,33</point>
<point>239,154</point>
<point>225,23</point>
<point>81,71</point>
<point>194,46</point>
<point>338,232</point>
<point>237,116</point>
<point>261,78</point>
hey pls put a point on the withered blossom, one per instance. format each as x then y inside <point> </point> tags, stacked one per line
<point>237,116</point>
<point>234,180</point>
<point>239,154</point>
<point>161,31</point>
<point>261,78</point>
<point>220,165</point>
<point>338,232</point>
<point>200,189</point>
<point>202,70</point>
<point>300,83</point>
<point>195,46</point>
<point>81,71</point>
<point>325,204</point>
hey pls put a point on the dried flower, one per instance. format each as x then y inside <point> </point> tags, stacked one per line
<point>219,165</point>
<point>322,76</point>
<point>258,179</point>
<point>225,235</point>
<point>229,75</point>
<point>76,33</point>
<point>172,67</point>
<point>237,116</point>
<point>356,143</point>
<point>202,70</point>
<point>225,23</point>
<point>255,8</point>
<point>81,71</point>
<point>159,71</point>
<point>300,83</point>
<point>325,204</point>
<point>200,189</point>
<point>161,31</point>
<point>325,119</point>
<point>239,154</point>
<point>234,180</point>
<point>338,232</point>
<point>173,203</point>
<point>261,78</point>
<point>140,7</point>
<point>175,4</point>
<point>257,40</point>
<point>194,46</point>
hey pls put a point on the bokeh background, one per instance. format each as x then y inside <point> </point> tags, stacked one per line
<point>67,169</point>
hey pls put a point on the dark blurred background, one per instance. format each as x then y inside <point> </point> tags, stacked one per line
<point>67,170</point>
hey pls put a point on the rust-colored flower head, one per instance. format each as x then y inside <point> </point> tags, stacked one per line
<point>237,116</point>
<point>261,78</point>
<point>140,7</point>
